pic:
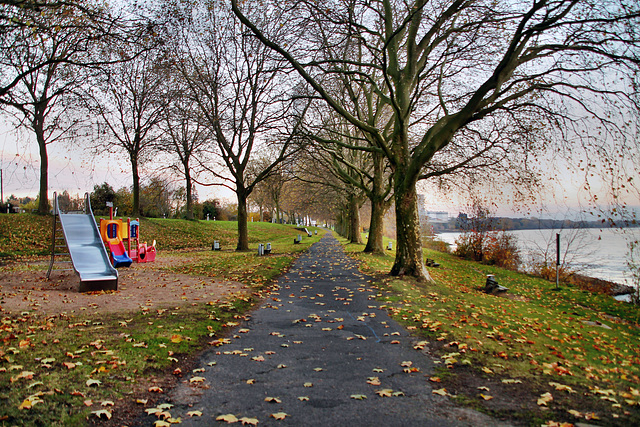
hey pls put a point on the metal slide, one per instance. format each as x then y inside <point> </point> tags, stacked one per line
<point>88,254</point>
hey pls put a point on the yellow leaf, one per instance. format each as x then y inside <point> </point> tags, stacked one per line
<point>386,392</point>
<point>102,412</point>
<point>358,396</point>
<point>303,398</point>
<point>308,384</point>
<point>486,397</point>
<point>249,421</point>
<point>441,392</point>
<point>142,401</point>
<point>561,387</point>
<point>279,415</point>
<point>511,381</point>
<point>161,423</point>
<point>91,382</point>
<point>486,370</point>
<point>544,399</point>
<point>272,399</point>
<point>107,403</point>
<point>155,389</point>
<point>373,381</point>
<point>435,379</point>
<point>483,388</point>
<point>197,379</point>
<point>194,413</point>
<point>251,381</point>
<point>229,418</point>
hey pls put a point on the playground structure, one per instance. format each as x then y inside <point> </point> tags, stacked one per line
<point>115,234</point>
<point>85,242</point>
<point>79,233</point>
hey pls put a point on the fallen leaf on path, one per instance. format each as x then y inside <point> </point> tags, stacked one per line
<point>249,421</point>
<point>229,418</point>
<point>373,381</point>
<point>272,399</point>
<point>386,392</point>
<point>441,391</point>
<point>308,385</point>
<point>303,398</point>
<point>279,415</point>
<point>197,379</point>
<point>486,397</point>
<point>358,396</point>
<point>91,382</point>
<point>194,413</point>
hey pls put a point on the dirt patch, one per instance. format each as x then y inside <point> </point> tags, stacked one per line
<point>138,285</point>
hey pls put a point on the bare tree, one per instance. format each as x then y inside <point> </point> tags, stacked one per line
<point>128,99</point>
<point>43,84</point>
<point>238,90</point>
<point>185,137</point>
<point>446,68</point>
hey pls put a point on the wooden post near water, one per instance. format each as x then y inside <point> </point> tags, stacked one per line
<point>557,261</point>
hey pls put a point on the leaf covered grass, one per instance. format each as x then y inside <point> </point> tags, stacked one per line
<point>582,348</point>
<point>69,369</point>
<point>57,370</point>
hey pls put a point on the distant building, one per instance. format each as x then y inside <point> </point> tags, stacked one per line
<point>430,216</point>
<point>437,216</point>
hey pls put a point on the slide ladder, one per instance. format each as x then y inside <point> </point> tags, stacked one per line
<point>81,236</point>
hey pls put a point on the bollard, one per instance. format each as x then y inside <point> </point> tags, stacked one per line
<point>268,249</point>
<point>260,249</point>
<point>216,246</point>
<point>390,247</point>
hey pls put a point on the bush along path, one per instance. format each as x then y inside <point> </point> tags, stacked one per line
<point>318,351</point>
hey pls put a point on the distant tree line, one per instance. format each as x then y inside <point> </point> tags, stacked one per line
<point>462,223</point>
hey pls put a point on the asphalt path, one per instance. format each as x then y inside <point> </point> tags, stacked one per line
<point>319,351</point>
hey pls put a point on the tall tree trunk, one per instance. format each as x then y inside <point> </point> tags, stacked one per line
<point>354,220</point>
<point>43,202</point>
<point>136,185</point>
<point>243,227</point>
<point>189,212</point>
<point>375,244</point>
<point>409,257</point>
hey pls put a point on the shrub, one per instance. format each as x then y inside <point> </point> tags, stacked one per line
<point>491,247</point>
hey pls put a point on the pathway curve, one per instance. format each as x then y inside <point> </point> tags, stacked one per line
<point>317,346</point>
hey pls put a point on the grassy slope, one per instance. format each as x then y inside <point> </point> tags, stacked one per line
<point>588,342</point>
<point>69,369</point>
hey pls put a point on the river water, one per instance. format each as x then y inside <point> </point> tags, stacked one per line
<point>592,252</point>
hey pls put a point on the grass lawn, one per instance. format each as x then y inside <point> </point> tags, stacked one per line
<point>533,355</point>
